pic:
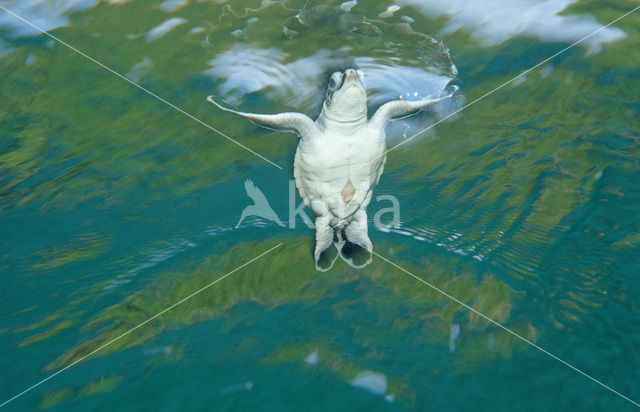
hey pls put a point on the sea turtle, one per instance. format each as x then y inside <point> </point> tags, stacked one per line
<point>338,162</point>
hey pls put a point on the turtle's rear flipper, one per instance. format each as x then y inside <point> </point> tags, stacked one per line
<point>324,255</point>
<point>326,260</point>
<point>355,255</point>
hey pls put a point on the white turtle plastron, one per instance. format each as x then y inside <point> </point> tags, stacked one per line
<point>338,162</point>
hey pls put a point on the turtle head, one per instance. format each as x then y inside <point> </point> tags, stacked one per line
<point>346,99</point>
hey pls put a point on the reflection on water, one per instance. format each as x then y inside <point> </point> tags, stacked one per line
<point>163,28</point>
<point>502,20</point>
<point>171,6</point>
<point>525,207</point>
<point>247,386</point>
<point>419,67</point>
<point>247,70</point>
<point>104,385</point>
<point>373,382</point>
<point>280,286</point>
<point>138,70</point>
<point>46,15</point>
<point>313,357</point>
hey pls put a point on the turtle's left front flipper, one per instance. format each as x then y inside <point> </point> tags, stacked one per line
<point>398,108</point>
<point>297,122</point>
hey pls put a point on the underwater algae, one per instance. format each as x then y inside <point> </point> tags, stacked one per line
<point>285,278</point>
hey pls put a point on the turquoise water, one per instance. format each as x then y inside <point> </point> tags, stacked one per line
<point>113,207</point>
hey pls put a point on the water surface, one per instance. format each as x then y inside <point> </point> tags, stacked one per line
<point>113,206</point>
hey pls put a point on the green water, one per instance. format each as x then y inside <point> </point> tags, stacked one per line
<point>114,206</point>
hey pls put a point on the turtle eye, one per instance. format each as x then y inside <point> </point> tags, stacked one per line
<point>336,79</point>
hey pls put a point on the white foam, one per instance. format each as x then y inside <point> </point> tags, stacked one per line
<point>164,28</point>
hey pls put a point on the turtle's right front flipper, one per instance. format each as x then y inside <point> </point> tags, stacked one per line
<point>297,122</point>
